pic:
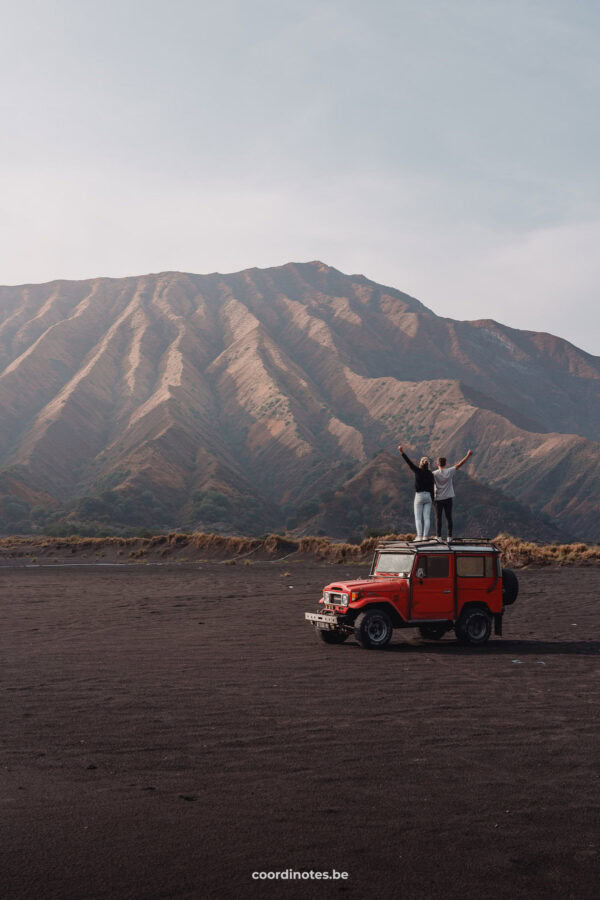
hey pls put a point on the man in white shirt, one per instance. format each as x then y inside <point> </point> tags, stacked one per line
<point>444,491</point>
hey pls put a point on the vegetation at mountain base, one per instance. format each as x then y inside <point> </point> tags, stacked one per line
<point>179,547</point>
<point>377,499</point>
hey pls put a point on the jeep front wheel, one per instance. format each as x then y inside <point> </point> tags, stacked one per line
<point>474,626</point>
<point>373,629</point>
<point>331,637</point>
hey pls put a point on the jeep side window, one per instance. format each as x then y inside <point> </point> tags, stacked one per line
<point>434,566</point>
<point>491,568</point>
<point>471,566</point>
<point>438,566</point>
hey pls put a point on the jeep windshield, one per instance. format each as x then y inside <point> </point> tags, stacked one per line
<point>393,564</point>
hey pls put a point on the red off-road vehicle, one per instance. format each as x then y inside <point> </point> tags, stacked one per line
<point>433,585</point>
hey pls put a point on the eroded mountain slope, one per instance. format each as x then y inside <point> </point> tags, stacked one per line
<point>265,385</point>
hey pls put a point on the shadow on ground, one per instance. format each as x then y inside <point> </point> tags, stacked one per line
<point>504,647</point>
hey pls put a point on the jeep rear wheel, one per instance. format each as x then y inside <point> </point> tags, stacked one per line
<point>432,632</point>
<point>474,626</point>
<point>331,637</point>
<point>373,629</point>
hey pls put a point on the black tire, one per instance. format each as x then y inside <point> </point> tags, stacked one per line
<point>373,629</point>
<point>432,632</point>
<point>510,587</point>
<point>474,626</point>
<point>331,637</point>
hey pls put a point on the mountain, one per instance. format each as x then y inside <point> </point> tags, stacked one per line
<point>235,401</point>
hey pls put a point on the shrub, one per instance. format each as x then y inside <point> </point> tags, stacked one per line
<point>307,510</point>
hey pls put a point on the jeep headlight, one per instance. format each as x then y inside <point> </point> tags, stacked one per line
<point>344,599</point>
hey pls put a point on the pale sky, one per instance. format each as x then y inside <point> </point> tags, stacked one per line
<point>449,149</point>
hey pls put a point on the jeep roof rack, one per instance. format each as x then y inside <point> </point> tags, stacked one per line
<point>438,542</point>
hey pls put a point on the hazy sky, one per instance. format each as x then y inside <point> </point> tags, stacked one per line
<point>447,148</point>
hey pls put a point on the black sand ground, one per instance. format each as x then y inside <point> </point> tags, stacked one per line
<point>168,731</point>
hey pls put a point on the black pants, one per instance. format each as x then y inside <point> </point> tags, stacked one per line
<point>443,506</point>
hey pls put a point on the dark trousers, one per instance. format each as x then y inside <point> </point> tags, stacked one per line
<point>441,507</point>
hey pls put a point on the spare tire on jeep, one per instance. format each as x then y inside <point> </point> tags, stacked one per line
<point>510,587</point>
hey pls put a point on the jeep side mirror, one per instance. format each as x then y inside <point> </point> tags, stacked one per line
<point>421,574</point>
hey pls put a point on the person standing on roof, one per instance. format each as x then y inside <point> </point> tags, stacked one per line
<point>424,488</point>
<point>444,491</point>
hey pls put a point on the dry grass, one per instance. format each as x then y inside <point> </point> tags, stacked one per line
<point>518,553</point>
<point>179,547</point>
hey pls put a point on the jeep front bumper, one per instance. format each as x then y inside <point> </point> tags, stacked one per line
<point>328,622</point>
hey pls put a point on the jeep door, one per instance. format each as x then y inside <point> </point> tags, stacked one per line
<point>476,578</point>
<point>432,587</point>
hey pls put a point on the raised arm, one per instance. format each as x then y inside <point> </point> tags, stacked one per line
<point>463,460</point>
<point>408,461</point>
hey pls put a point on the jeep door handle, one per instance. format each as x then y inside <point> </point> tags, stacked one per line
<point>446,592</point>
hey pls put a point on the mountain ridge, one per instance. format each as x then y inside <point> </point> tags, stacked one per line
<point>256,384</point>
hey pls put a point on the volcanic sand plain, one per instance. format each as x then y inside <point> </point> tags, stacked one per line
<point>169,730</point>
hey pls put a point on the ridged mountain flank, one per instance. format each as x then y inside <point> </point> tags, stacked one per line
<point>238,402</point>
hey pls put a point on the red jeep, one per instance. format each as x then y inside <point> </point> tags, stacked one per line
<point>432,584</point>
